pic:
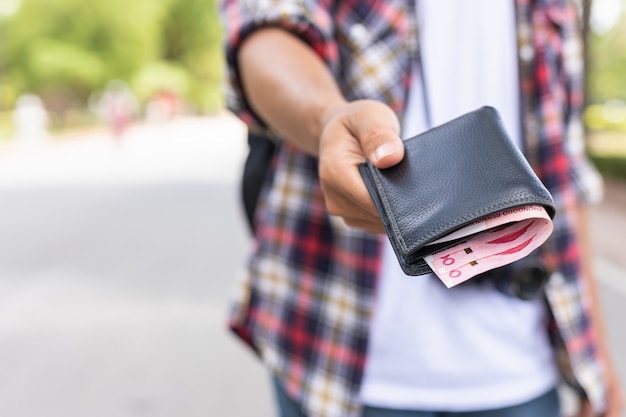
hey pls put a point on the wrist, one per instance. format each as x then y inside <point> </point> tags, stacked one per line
<point>328,112</point>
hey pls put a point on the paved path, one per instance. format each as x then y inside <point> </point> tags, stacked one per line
<point>116,263</point>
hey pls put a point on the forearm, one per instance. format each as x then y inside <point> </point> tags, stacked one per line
<point>288,86</point>
<point>293,91</point>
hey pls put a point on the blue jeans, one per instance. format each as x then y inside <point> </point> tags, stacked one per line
<point>546,405</point>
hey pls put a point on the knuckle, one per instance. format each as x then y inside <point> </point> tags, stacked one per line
<point>359,224</point>
<point>332,207</point>
<point>352,222</point>
<point>376,135</point>
<point>325,174</point>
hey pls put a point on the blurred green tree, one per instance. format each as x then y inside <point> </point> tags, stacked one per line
<point>193,38</point>
<point>64,50</point>
<point>608,64</point>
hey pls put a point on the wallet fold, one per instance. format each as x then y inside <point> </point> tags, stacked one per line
<point>452,175</point>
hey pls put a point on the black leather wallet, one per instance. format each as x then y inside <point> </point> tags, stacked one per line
<point>451,176</point>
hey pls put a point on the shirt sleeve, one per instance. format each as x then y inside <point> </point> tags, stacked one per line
<point>308,20</point>
<point>586,179</point>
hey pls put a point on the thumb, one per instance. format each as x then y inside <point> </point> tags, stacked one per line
<point>388,151</point>
<point>377,128</point>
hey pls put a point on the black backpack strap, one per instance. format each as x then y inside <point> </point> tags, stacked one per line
<point>261,152</point>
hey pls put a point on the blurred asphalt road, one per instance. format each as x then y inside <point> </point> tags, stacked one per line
<point>116,264</point>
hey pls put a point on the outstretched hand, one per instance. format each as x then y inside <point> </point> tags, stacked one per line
<point>353,132</point>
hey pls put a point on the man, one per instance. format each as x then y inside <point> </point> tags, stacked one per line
<point>343,332</point>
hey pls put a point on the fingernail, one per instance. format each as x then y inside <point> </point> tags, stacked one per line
<point>382,151</point>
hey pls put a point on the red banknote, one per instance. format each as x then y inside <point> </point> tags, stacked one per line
<point>495,241</point>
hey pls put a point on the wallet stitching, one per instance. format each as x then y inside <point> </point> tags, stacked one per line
<point>516,198</point>
<point>487,210</point>
<point>474,216</point>
<point>388,208</point>
<point>521,198</point>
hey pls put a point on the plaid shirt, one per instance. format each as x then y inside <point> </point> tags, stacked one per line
<point>306,299</point>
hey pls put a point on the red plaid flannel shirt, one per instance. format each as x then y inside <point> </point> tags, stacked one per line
<point>306,299</point>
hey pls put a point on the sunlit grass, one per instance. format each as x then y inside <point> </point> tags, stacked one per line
<point>607,149</point>
<point>608,143</point>
<point>6,125</point>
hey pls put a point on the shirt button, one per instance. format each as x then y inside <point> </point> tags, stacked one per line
<point>526,53</point>
<point>359,34</point>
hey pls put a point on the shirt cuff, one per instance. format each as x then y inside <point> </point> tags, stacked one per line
<point>303,18</point>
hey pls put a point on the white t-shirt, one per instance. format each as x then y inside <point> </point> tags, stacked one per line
<point>469,347</point>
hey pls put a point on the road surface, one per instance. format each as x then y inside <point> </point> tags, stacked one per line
<point>116,264</point>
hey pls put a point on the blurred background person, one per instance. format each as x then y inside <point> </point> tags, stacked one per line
<point>31,120</point>
<point>163,107</point>
<point>118,107</point>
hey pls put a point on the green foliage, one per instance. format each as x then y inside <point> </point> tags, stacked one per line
<point>6,125</point>
<point>65,64</point>
<point>613,166</point>
<point>64,50</point>
<point>198,50</point>
<point>608,116</point>
<point>607,63</point>
<point>607,149</point>
<point>161,75</point>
